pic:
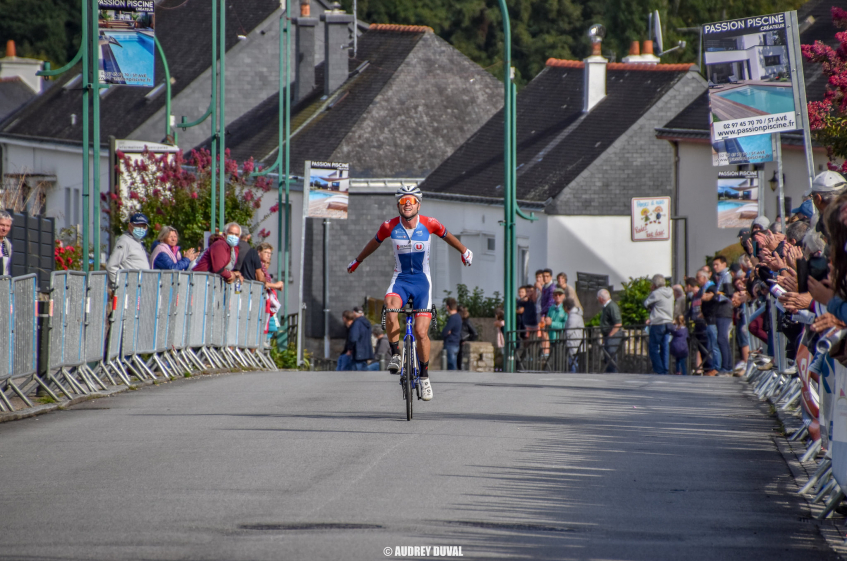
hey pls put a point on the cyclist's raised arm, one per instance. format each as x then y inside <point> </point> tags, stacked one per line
<point>381,234</point>
<point>453,241</point>
<point>369,248</point>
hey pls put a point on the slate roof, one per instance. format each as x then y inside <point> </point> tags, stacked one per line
<point>318,126</point>
<point>556,141</point>
<point>180,27</point>
<point>815,19</point>
<point>14,92</point>
<point>409,101</point>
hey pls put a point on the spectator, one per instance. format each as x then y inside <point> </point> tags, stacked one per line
<point>538,289</point>
<point>5,244</point>
<point>795,233</point>
<point>469,333</point>
<point>660,303</point>
<point>519,303</point>
<point>547,291</point>
<point>382,348</point>
<point>166,254</point>
<point>805,211</point>
<point>825,188</point>
<point>610,327</point>
<point>526,311</point>
<point>562,280</point>
<point>220,257</point>
<point>680,302</point>
<point>452,333</point>
<point>679,345</point>
<point>244,248</point>
<point>557,317</point>
<point>265,251</point>
<point>705,318</point>
<point>358,349</point>
<point>500,324</point>
<point>742,334</point>
<point>251,262</point>
<point>129,253</point>
<point>574,332</point>
<point>722,306</point>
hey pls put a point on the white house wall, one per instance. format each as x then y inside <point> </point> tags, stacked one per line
<point>697,197</point>
<point>602,245</point>
<point>63,162</point>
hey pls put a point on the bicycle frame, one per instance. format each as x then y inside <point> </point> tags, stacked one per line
<point>416,373</point>
<point>410,315</point>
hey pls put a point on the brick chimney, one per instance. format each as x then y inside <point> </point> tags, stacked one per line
<point>304,66</point>
<point>595,76</point>
<point>13,66</point>
<point>635,54</point>
<point>337,47</point>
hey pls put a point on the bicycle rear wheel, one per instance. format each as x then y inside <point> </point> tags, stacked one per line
<point>410,372</point>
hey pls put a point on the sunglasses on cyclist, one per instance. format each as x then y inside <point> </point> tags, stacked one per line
<point>408,200</point>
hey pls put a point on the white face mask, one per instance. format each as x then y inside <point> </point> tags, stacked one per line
<point>232,240</point>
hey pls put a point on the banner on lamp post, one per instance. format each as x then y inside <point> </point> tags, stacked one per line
<point>738,198</point>
<point>327,195</point>
<point>126,42</point>
<point>749,64</point>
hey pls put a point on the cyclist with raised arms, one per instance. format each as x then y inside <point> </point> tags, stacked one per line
<point>410,234</point>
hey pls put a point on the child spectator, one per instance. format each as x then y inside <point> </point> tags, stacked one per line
<point>679,345</point>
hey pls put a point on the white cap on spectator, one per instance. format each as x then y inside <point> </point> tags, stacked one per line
<point>762,222</point>
<point>826,182</point>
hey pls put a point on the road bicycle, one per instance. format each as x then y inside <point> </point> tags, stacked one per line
<point>409,372</point>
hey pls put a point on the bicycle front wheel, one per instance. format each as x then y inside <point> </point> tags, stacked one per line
<point>410,372</point>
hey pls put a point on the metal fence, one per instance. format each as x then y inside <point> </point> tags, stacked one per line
<point>585,350</point>
<point>151,324</point>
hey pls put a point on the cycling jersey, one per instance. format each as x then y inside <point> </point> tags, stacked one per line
<point>411,255</point>
<point>411,258</point>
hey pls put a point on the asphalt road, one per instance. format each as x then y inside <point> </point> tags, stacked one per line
<point>290,466</point>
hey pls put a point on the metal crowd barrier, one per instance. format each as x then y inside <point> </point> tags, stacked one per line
<point>806,389</point>
<point>580,350</point>
<point>152,324</point>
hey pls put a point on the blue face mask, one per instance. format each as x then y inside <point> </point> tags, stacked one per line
<point>232,240</point>
<point>139,233</point>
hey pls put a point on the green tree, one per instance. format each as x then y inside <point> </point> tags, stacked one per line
<point>44,29</point>
<point>171,195</point>
<point>635,291</point>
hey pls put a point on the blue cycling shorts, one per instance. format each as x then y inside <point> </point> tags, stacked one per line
<point>418,286</point>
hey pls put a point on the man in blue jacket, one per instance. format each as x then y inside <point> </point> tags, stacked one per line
<point>358,349</point>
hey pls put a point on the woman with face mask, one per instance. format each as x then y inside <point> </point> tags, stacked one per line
<point>221,256</point>
<point>166,254</point>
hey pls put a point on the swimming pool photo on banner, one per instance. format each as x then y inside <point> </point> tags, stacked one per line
<point>738,198</point>
<point>127,49</point>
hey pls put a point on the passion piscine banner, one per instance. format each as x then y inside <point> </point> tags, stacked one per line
<point>328,190</point>
<point>738,198</point>
<point>749,64</point>
<point>126,42</point>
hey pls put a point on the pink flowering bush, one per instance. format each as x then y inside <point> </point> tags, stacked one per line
<point>828,118</point>
<point>169,194</point>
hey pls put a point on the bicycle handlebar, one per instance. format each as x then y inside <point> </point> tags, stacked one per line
<point>433,311</point>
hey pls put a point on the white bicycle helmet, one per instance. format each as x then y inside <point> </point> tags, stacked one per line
<point>412,190</point>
